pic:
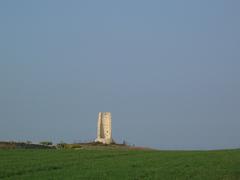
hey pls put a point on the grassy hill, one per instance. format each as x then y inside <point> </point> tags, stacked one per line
<point>119,163</point>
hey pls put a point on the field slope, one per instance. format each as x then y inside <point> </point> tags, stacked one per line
<point>119,164</point>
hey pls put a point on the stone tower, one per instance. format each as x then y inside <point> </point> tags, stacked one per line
<point>104,128</point>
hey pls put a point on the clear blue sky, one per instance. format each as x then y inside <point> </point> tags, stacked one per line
<point>169,71</point>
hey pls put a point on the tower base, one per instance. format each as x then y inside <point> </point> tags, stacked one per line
<point>104,141</point>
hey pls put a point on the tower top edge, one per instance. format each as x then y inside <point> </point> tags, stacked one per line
<point>105,112</point>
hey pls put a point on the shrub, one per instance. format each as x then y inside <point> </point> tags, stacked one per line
<point>46,143</point>
<point>28,142</point>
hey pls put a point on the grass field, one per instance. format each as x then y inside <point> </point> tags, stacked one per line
<point>119,164</point>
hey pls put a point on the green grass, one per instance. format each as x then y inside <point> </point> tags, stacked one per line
<point>119,164</point>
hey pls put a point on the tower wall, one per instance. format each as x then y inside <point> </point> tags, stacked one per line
<point>104,129</point>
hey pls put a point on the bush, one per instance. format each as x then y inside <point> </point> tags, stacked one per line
<point>28,142</point>
<point>46,143</point>
<point>68,146</point>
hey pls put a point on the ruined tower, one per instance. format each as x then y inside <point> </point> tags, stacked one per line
<point>104,128</point>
